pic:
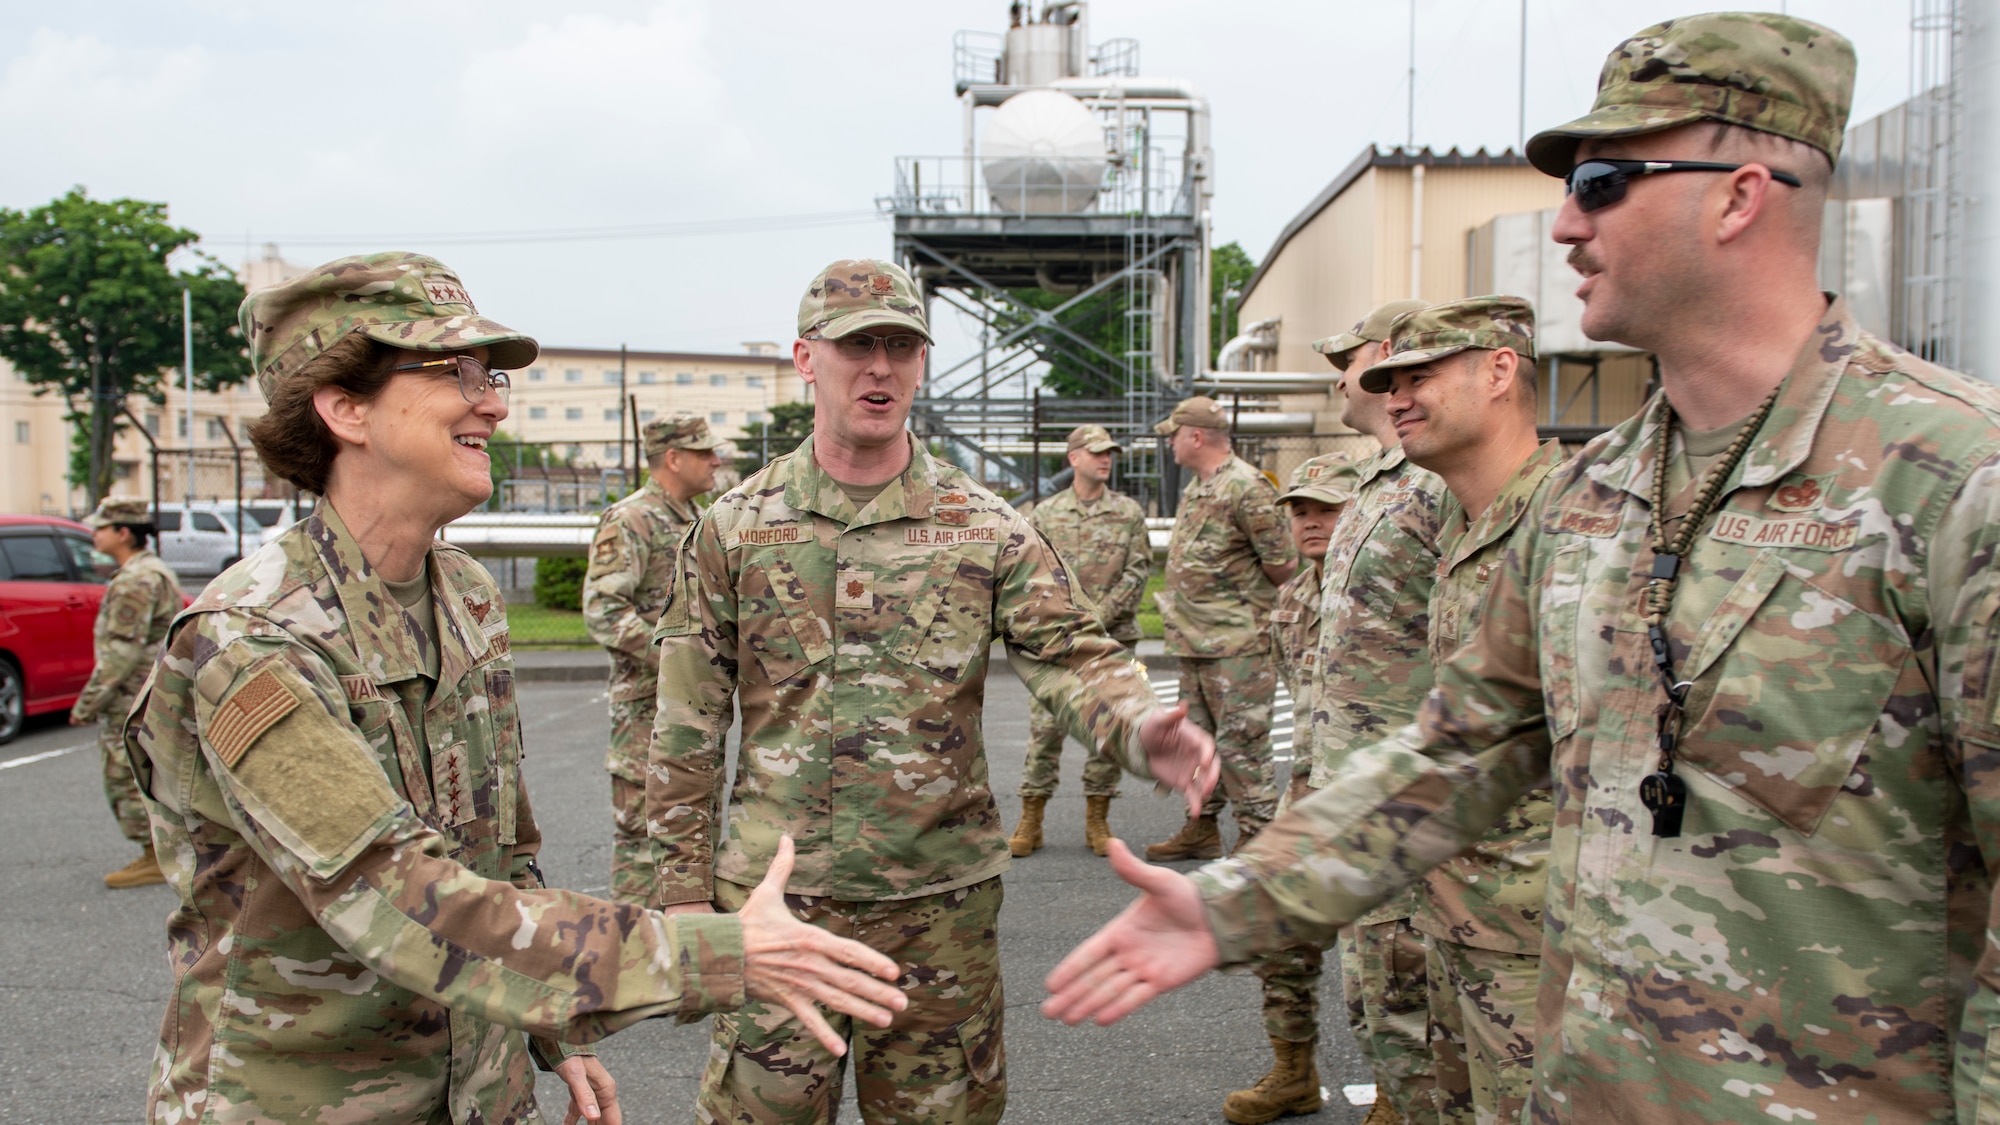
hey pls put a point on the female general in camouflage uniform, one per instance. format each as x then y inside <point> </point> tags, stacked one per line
<point>330,753</point>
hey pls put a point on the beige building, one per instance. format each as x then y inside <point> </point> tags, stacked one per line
<point>1437,227</point>
<point>570,396</point>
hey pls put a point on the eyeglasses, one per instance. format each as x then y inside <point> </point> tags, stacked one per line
<point>1598,184</point>
<point>474,377</point>
<point>861,345</point>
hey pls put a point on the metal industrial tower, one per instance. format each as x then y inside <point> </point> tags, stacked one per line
<point>1132,225</point>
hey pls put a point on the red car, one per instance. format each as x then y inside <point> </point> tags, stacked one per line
<point>49,593</point>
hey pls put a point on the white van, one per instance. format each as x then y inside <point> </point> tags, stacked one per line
<point>202,539</point>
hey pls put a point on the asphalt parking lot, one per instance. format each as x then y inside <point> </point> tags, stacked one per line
<point>86,978</point>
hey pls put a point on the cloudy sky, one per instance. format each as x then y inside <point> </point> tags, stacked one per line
<point>747,141</point>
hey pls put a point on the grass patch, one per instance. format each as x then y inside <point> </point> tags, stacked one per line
<point>1149,610</point>
<point>543,627</point>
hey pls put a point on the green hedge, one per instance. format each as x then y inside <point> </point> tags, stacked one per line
<point>559,582</point>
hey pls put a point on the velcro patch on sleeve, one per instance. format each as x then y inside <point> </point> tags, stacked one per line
<point>247,714</point>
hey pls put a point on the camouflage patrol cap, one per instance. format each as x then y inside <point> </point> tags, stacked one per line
<point>1339,350</point>
<point>120,509</point>
<point>1773,73</point>
<point>1448,329</point>
<point>1330,478</point>
<point>857,293</point>
<point>399,299</point>
<point>682,431</point>
<point>1201,411</point>
<point>1096,439</point>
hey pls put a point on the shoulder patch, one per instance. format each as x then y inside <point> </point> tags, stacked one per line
<point>247,714</point>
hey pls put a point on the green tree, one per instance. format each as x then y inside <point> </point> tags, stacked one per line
<point>790,424</point>
<point>90,310</point>
<point>1229,267</point>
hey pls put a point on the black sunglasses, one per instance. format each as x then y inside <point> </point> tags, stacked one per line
<point>1600,183</point>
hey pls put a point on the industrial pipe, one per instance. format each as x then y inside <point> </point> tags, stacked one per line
<point>1259,337</point>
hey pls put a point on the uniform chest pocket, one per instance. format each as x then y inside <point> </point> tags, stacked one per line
<point>950,620</point>
<point>776,622</point>
<point>1789,686</point>
<point>1560,614</point>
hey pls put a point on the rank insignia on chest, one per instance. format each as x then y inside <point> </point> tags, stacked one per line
<point>451,783</point>
<point>856,590</point>
<point>957,517</point>
<point>1798,494</point>
<point>954,498</point>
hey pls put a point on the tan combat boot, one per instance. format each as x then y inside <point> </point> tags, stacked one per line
<point>1097,824</point>
<point>1197,839</point>
<point>1291,1087</point>
<point>141,872</point>
<point>1382,1113</point>
<point>1028,834</point>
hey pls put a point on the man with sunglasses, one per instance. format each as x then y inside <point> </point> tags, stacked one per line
<point>330,754</point>
<point>1750,633</point>
<point>624,589</point>
<point>847,596</point>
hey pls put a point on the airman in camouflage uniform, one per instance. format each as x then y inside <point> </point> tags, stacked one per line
<point>1787,915</point>
<point>1319,490</point>
<point>132,620</point>
<point>1227,557</point>
<point>1374,670</point>
<point>1463,384</point>
<point>1101,534</point>
<point>624,589</point>
<point>333,773</point>
<point>850,618</point>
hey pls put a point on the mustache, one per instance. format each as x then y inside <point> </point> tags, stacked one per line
<point>1582,262</point>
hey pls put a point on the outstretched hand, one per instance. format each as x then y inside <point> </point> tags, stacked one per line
<point>789,962</point>
<point>1180,754</point>
<point>593,1096</point>
<point>1154,946</point>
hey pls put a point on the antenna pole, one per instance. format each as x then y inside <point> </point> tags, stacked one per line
<point>1410,132</point>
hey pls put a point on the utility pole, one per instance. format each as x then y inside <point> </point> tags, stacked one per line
<point>623,400</point>
<point>187,362</point>
<point>1521,133</point>
<point>1410,132</point>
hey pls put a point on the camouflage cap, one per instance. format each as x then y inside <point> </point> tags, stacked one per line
<point>682,431</point>
<point>1329,478</point>
<point>1200,410</point>
<point>1450,328</point>
<point>119,509</point>
<point>1096,439</point>
<point>857,293</point>
<point>399,299</point>
<point>1773,73</point>
<point>1339,350</point>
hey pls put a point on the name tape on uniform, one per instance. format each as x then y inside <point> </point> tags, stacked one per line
<point>1818,535</point>
<point>764,536</point>
<point>946,536</point>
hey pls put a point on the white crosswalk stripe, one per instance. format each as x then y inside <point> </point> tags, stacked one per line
<point>1281,715</point>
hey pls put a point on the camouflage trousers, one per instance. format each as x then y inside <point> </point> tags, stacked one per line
<point>632,875</point>
<point>1388,1007</point>
<point>1045,746</point>
<point>121,789</point>
<point>1291,993</point>
<point>942,1059</point>
<point>1482,1006</point>
<point>1231,698</point>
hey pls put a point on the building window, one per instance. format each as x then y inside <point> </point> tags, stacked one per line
<point>153,424</point>
<point>611,414</point>
<point>750,416</point>
<point>648,378</point>
<point>215,429</point>
<point>718,380</point>
<point>684,379</point>
<point>573,375</point>
<point>573,414</point>
<point>611,377</point>
<point>719,417</point>
<point>21,430</point>
<point>537,413</point>
<point>613,453</point>
<point>753,380</point>
<point>575,451</point>
<point>537,374</point>
<point>647,415</point>
<point>181,425</point>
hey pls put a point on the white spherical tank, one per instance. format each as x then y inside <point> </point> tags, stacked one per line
<point>1043,153</point>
